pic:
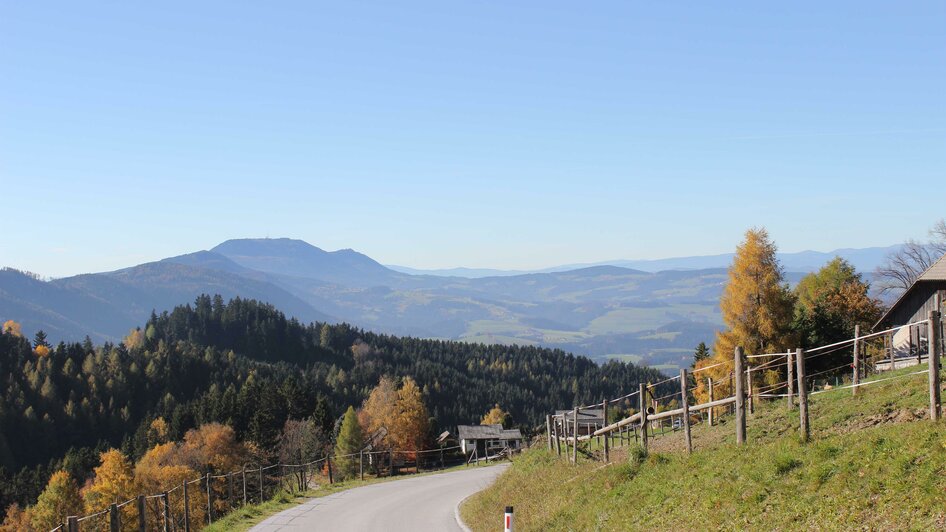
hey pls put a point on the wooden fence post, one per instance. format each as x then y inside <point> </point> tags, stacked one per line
<point>802,394</point>
<point>889,341</point>
<point>328,459</point>
<point>709,391</point>
<point>935,353</point>
<point>210,518</point>
<point>686,409</point>
<point>361,464</point>
<point>749,384</point>
<point>141,513</point>
<point>607,446</point>
<point>558,436</point>
<point>856,377</point>
<point>643,422</point>
<point>790,363</point>
<point>187,508</point>
<point>738,360</point>
<point>244,484</point>
<point>575,441</point>
<point>548,430</point>
<point>72,523</point>
<point>261,483</point>
<point>114,519</point>
<point>229,488</point>
<point>166,500</point>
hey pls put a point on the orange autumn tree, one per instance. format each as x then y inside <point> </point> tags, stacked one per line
<point>757,308</point>
<point>380,408</point>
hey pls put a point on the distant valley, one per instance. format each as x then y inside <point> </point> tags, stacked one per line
<point>654,314</point>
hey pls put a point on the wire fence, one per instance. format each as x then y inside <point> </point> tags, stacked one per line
<point>199,502</point>
<point>843,365</point>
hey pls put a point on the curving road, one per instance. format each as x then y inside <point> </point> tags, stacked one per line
<point>412,504</point>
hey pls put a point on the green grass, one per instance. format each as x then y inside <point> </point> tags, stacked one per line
<point>875,461</point>
<point>252,514</point>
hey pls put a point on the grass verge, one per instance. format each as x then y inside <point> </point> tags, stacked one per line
<point>875,462</point>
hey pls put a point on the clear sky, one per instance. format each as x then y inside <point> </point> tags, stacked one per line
<point>481,134</point>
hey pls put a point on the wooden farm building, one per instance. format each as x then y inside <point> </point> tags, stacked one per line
<point>589,419</point>
<point>487,439</point>
<point>926,294</point>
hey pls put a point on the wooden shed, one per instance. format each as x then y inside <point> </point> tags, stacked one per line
<point>925,294</point>
<point>487,439</point>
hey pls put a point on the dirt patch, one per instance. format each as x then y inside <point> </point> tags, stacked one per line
<point>904,415</point>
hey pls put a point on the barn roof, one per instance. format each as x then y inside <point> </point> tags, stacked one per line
<point>487,432</point>
<point>587,414</point>
<point>936,272</point>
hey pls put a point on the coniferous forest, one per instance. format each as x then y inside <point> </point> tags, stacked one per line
<point>246,365</point>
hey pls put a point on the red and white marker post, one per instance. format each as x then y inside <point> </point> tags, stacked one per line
<point>507,520</point>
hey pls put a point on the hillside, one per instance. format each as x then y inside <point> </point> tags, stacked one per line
<point>247,365</point>
<point>875,462</point>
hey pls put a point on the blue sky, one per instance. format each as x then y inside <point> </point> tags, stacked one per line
<point>480,134</point>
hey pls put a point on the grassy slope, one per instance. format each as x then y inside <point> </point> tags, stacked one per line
<point>875,462</point>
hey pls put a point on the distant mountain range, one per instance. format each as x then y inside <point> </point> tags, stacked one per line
<point>654,313</point>
<point>864,259</point>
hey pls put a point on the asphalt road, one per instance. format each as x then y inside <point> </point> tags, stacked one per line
<point>414,504</point>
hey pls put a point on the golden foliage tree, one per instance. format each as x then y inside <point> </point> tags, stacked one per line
<point>497,416</point>
<point>113,482</point>
<point>162,468</point>
<point>58,500</point>
<point>757,309</point>
<point>41,351</point>
<point>411,418</point>
<point>134,339</point>
<point>380,408</point>
<point>12,327</point>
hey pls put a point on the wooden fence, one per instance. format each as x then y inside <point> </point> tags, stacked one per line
<point>212,496</point>
<point>568,434</point>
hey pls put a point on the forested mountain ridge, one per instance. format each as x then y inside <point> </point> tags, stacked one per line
<point>247,365</point>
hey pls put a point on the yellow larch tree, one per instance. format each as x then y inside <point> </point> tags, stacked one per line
<point>757,308</point>
<point>114,482</point>
<point>411,418</point>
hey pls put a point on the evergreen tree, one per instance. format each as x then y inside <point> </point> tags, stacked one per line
<point>701,353</point>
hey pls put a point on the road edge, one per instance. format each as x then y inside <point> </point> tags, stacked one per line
<point>456,513</point>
